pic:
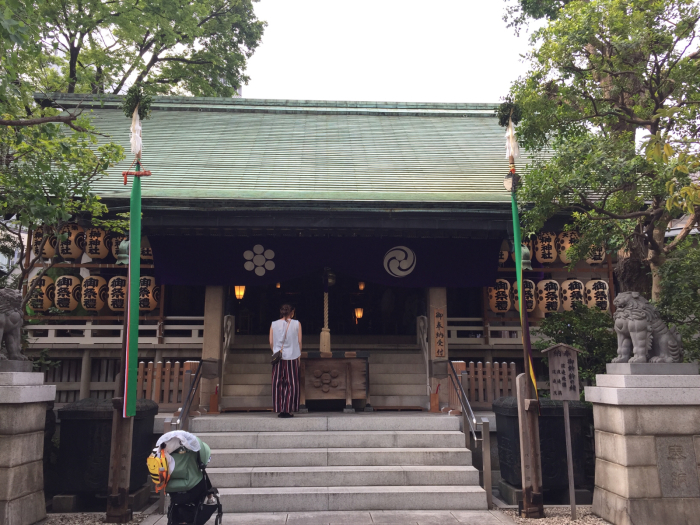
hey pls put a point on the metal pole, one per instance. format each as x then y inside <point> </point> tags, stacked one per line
<point>486,460</point>
<point>570,461</point>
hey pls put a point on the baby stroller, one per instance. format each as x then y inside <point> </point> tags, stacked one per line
<point>178,466</point>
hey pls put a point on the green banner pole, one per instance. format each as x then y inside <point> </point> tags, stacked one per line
<point>134,285</point>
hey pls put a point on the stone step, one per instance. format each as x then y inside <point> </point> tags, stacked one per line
<point>310,499</point>
<point>245,401</point>
<point>397,390</point>
<point>317,457</point>
<point>342,476</point>
<point>248,379</point>
<point>315,422</point>
<point>334,439</point>
<point>401,401</point>
<point>396,368</point>
<point>402,358</point>
<point>248,357</point>
<point>248,390</point>
<point>397,379</point>
<point>249,368</point>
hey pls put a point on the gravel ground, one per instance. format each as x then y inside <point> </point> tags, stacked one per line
<point>86,518</point>
<point>559,516</point>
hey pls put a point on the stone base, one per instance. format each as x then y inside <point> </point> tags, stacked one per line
<point>66,503</point>
<point>646,511</point>
<point>509,494</point>
<point>26,510</point>
<point>16,366</point>
<point>652,369</point>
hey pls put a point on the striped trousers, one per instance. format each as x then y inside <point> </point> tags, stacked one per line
<point>285,385</point>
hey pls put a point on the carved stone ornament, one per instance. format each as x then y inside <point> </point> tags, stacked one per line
<point>640,331</point>
<point>11,324</point>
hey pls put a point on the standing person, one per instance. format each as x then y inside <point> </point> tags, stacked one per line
<point>285,337</point>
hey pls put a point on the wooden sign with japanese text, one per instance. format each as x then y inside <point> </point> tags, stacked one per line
<point>440,332</point>
<point>563,372</point>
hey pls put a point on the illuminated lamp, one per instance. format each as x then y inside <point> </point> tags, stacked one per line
<point>358,314</point>
<point>278,285</point>
<point>362,287</point>
<point>240,292</point>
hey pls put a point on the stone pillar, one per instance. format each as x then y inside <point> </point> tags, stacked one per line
<point>212,344</point>
<point>437,332</point>
<point>23,398</point>
<point>647,443</point>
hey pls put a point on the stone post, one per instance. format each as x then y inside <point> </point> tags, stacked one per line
<point>23,398</point>
<point>437,333</point>
<point>647,443</point>
<point>212,344</point>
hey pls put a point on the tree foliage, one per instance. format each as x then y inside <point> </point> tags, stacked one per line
<point>603,75</point>
<point>587,329</point>
<point>679,302</point>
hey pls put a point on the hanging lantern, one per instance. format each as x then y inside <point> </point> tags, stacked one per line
<point>358,314</point>
<point>149,294</point>
<point>239,291</point>
<point>95,293</point>
<point>499,296</point>
<point>571,292</point>
<point>68,294</point>
<point>96,243</point>
<point>278,285</point>
<point>361,285</point>
<point>529,296</point>
<point>597,294</point>
<point>146,251</point>
<point>49,250</point>
<point>44,294</point>
<point>116,293</point>
<point>73,245</point>
<point>565,240</point>
<point>527,244</point>
<point>545,250</point>
<point>548,296</point>
<point>596,255</point>
<point>113,243</point>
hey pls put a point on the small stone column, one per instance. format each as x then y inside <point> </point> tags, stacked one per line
<point>213,340</point>
<point>647,443</point>
<point>437,333</point>
<point>23,398</point>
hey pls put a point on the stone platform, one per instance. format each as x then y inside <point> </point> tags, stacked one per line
<point>647,437</point>
<point>23,398</point>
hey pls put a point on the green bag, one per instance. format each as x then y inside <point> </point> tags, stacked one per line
<point>186,474</point>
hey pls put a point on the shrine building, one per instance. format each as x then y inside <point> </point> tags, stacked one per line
<point>396,210</point>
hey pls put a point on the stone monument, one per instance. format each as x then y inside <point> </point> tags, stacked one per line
<point>646,413</point>
<point>23,398</point>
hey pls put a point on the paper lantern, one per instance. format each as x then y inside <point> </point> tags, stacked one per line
<point>146,251</point>
<point>565,240</point>
<point>358,314</point>
<point>545,247</point>
<point>68,293</point>
<point>360,285</point>
<point>502,257</point>
<point>596,255</point>
<point>73,245</point>
<point>548,296</point>
<point>44,294</point>
<point>96,243</point>
<point>239,291</point>
<point>95,293</point>
<point>499,296</point>
<point>149,294</point>
<point>571,292</point>
<point>113,242</point>
<point>49,246</point>
<point>528,244</point>
<point>529,295</point>
<point>116,289</point>
<point>597,294</point>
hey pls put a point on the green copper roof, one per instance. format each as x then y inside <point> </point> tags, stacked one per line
<point>245,149</point>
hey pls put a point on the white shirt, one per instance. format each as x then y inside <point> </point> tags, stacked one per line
<point>291,348</point>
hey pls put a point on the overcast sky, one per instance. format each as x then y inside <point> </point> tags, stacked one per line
<point>385,50</point>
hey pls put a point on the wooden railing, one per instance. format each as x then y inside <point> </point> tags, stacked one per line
<point>483,383</point>
<point>165,383</point>
<point>481,332</point>
<point>173,330</point>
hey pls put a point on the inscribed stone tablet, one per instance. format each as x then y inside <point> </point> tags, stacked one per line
<point>678,471</point>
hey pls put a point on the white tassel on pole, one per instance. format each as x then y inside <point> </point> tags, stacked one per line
<point>136,142</point>
<point>512,148</point>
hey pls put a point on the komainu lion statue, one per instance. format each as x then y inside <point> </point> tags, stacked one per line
<point>11,324</point>
<point>640,330</point>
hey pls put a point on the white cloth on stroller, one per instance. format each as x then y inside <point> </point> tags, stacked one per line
<point>173,441</point>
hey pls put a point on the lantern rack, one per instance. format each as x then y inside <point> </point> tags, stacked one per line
<point>90,265</point>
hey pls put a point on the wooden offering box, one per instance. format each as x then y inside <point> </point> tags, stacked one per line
<point>338,375</point>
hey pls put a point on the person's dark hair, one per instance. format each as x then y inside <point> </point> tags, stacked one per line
<point>286,310</point>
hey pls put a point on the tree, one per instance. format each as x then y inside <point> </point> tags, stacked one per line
<point>604,74</point>
<point>679,302</point>
<point>587,329</point>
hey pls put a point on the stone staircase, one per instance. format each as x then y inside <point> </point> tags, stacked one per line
<point>340,462</point>
<point>396,380</point>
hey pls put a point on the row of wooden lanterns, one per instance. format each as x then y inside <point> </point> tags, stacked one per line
<point>549,295</point>
<point>549,245</point>
<point>93,293</point>
<point>96,243</point>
